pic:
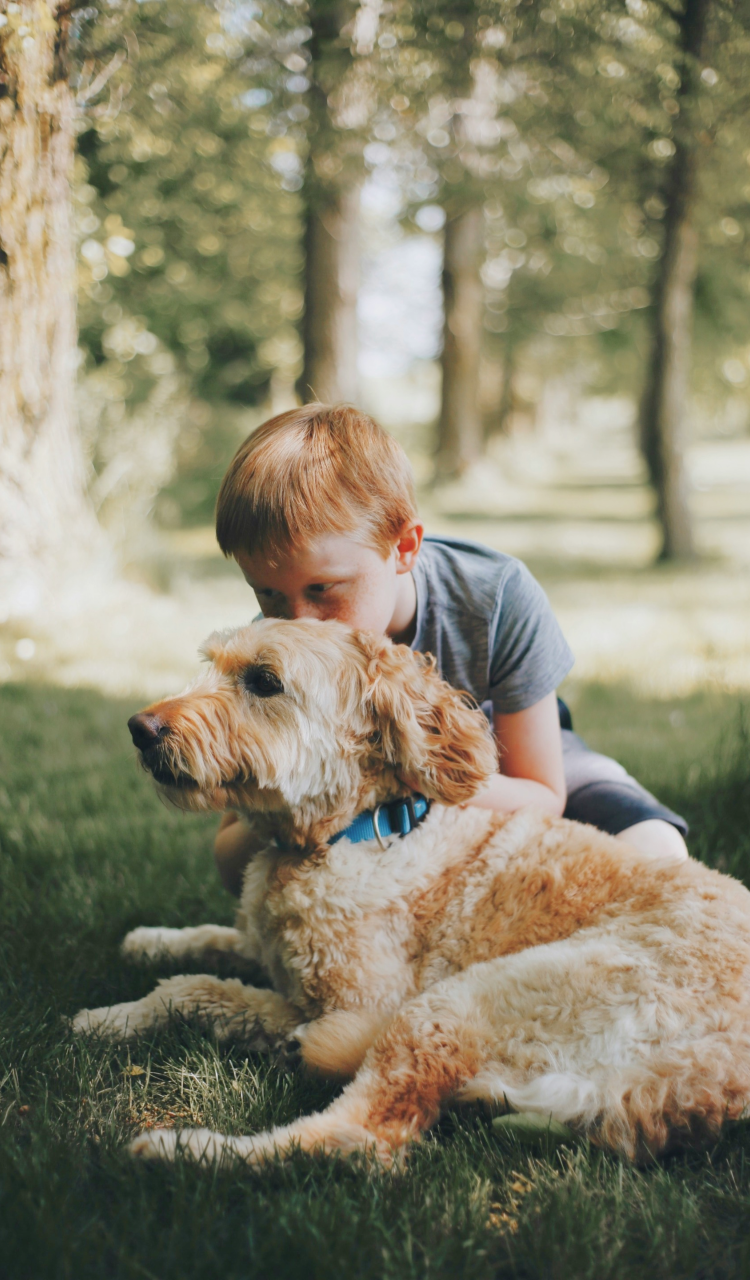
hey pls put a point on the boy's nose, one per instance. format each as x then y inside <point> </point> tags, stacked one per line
<point>301,609</point>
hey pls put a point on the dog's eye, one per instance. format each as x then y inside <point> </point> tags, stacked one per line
<point>262,682</point>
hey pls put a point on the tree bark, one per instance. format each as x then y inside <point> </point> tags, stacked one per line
<point>460,434</point>
<point>665,392</point>
<point>498,412</point>
<point>332,184</point>
<point>42,474</point>
<point>331,284</point>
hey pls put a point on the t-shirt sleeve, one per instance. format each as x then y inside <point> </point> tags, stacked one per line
<point>529,655</point>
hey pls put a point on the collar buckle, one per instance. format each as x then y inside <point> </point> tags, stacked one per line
<point>375,816</point>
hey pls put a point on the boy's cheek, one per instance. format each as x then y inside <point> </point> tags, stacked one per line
<point>369,612</point>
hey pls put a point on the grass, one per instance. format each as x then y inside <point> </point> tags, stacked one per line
<point>87,852</point>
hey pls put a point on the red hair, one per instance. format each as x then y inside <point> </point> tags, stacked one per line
<point>315,470</point>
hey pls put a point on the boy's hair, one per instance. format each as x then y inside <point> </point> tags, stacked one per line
<point>315,470</point>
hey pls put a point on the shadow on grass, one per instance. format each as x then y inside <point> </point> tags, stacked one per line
<point>87,852</point>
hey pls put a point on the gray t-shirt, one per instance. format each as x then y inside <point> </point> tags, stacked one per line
<point>488,624</point>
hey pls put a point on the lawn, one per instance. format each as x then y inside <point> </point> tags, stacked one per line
<point>87,852</point>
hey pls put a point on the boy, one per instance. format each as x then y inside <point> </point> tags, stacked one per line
<point>318,510</point>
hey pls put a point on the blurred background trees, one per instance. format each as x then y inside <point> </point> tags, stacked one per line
<point>583,165</point>
<point>191,228</point>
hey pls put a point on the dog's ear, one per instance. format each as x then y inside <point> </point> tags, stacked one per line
<point>428,730</point>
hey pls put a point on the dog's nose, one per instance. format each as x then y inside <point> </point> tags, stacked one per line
<point>146,730</point>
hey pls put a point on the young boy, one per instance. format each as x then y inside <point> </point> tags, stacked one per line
<point>318,510</point>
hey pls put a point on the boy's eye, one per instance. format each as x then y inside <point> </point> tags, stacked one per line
<point>320,587</point>
<point>262,682</point>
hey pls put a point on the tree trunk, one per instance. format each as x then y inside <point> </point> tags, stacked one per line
<point>331,283</point>
<point>42,502</point>
<point>665,393</point>
<point>460,433</point>
<point>498,412</point>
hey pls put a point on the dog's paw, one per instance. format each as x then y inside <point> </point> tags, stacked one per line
<point>146,943</point>
<point>113,1022</point>
<point>89,1022</point>
<point>154,1144</point>
<point>165,1144</point>
<point>289,1052</point>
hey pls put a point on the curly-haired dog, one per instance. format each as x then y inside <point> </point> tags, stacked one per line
<point>522,959</point>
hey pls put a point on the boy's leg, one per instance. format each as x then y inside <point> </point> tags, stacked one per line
<point>234,846</point>
<point>602,793</point>
<point>656,837</point>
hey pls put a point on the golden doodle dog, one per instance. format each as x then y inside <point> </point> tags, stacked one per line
<point>526,960</point>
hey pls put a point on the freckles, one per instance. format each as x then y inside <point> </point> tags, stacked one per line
<point>347,612</point>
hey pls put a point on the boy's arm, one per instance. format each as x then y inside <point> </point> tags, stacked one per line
<point>531,762</point>
<point>235,844</point>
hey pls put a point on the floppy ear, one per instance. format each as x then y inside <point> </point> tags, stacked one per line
<point>427,729</point>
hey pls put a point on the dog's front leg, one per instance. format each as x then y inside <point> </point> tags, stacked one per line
<point>261,1019</point>
<point>419,1063</point>
<point>197,943</point>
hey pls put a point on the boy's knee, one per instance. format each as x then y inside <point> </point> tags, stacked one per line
<point>657,838</point>
<point>233,848</point>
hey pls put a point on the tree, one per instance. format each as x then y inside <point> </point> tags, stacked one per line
<point>664,396</point>
<point>626,92</point>
<point>234,159</point>
<point>341,40</point>
<point>460,433</point>
<point>329,373</point>
<point>42,476</point>
<point>438,103</point>
<point>596,204</point>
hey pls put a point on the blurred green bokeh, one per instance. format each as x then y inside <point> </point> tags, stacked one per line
<point>217,129</point>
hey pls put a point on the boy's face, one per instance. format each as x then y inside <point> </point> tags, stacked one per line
<point>336,576</point>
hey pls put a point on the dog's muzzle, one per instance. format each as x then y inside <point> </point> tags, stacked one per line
<point>150,735</point>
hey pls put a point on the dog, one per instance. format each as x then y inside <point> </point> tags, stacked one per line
<point>521,960</point>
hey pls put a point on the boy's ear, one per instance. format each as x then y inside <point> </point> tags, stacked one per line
<point>408,546</point>
<point>428,729</point>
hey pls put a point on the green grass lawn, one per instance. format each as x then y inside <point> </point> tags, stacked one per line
<point>87,852</point>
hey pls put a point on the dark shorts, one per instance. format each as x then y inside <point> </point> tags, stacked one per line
<point>603,794</point>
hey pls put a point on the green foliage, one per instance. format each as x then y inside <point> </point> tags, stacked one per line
<point>87,852</point>
<point>226,121</point>
<point>566,134</point>
<point>189,217</point>
<point>190,220</point>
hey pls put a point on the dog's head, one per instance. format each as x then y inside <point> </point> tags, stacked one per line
<point>312,721</point>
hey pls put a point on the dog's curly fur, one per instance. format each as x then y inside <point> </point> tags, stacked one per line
<point>526,960</point>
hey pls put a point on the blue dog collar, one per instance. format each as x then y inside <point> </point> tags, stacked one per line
<point>395,819</point>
